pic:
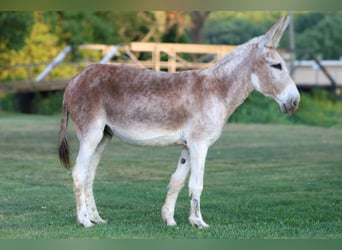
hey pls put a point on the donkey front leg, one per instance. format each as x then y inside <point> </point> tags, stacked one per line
<point>175,186</point>
<point>198,153</point>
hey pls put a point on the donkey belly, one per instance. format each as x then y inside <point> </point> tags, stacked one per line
<point>148,136</point>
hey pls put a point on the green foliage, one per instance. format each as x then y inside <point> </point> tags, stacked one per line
<point>40,46</point>
<point>324,38</point>
<point>37,37</point>
<point>224,32</point>
<point>316,108</point>
<point>14,26</point>
<point>236,28</point>
<point>49,104</point>
<point>318,32</point>
<point>41,103</point>
<point>7,103</point>
<point>306,21</point>
<point>259,109</point>
<point>79,27</point>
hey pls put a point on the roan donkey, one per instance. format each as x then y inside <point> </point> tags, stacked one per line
<point>188,108</point>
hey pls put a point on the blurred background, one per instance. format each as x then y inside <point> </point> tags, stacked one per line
<point>41,51</point>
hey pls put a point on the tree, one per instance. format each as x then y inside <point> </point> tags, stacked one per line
<point>39,46</point>
<point>78,27</point>
<point>324,38</point>
<point>306,21</point>
<point>230,30</point>
<point>14,26</point>
<point>105,27</point>
<point>198,19</point>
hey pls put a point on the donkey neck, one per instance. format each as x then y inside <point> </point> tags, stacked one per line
<point>234,72</point>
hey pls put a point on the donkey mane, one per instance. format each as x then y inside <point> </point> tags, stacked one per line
<point>237,52</point>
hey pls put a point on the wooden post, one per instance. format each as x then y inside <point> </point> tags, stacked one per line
<point>156,58</point>
<point>172,61</point>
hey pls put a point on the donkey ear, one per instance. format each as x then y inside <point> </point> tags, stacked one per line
<point>273,35</point>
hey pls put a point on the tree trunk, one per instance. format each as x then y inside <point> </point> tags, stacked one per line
<point>198,19</point>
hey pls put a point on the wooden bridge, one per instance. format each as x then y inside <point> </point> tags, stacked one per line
<point>166,56</point>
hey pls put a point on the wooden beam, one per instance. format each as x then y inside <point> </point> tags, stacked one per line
<point>182,48</point>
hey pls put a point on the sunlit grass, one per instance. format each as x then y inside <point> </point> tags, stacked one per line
<point>262,181</point>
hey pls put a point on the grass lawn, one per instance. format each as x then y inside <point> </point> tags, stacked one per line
<point>262,181</point>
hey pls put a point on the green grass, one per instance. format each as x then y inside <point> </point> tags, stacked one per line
<point>262,181</point>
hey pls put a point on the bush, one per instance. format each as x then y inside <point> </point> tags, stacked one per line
<point>259,109</point>
<point>40,103</point>
<point>50,104</point>
<point>316,108</point>
<point>319,109</point>
<point>7,103</point>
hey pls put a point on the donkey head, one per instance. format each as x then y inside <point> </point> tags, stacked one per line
<point>270,75</point>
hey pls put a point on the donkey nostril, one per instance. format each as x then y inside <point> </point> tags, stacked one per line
<point>294,103</point>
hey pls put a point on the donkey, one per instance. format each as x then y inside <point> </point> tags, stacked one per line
<point>188,108</point>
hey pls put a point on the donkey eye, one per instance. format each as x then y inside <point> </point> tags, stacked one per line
<point>276,66</point>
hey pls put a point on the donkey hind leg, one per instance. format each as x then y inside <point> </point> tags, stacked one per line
<point>198,153</point>
<point>83,172</point>
<point>175,186</point>
<point>90,201</point>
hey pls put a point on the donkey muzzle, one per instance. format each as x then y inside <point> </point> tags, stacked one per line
<point>290,106</point>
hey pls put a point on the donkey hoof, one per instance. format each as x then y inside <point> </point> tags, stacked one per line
<point>96,218</point>
<point>198,222</point>
<point>171,223</point>
<point>168,217</point>
<point>99,221</point>
<point>86,224</point>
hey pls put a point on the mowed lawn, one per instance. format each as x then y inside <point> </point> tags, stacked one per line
<point>261,181</point>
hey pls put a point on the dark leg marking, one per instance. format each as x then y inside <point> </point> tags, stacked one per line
<point>196,207</point>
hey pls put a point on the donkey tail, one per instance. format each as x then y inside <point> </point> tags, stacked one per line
<point>63,145</point>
